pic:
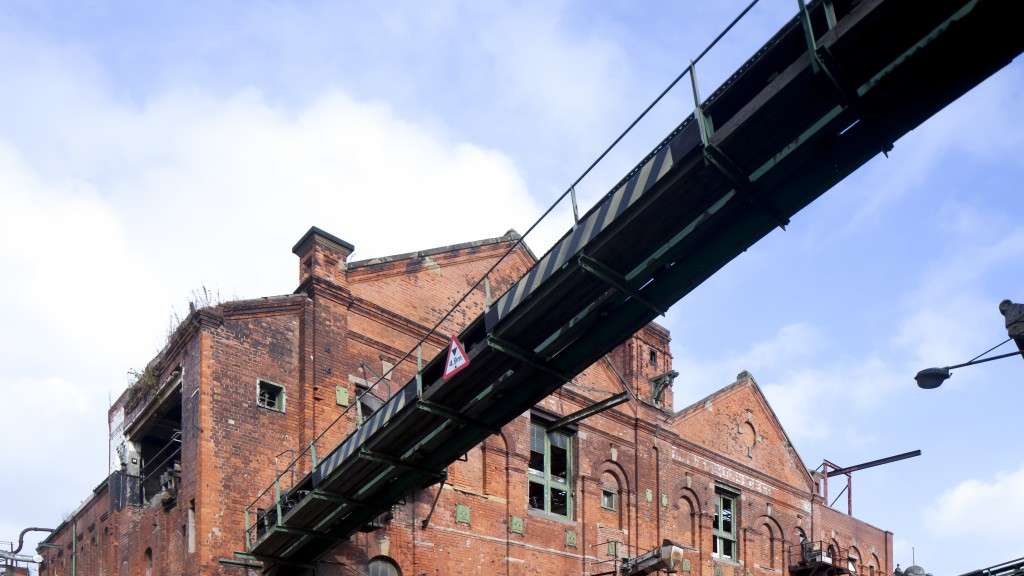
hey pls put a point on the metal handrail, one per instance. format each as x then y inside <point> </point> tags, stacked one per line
<point>570,191</point>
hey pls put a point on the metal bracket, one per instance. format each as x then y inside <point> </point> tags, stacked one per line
<point>454,416</point>
<point>719,159</point>
<point>440,489</point>
<point>526,356</point>
<point>395,462</point>
<point>304,532</point>
<point>589,411</point>
<point>823,61</point>
<point>335,498</point>
<point>616,280</point>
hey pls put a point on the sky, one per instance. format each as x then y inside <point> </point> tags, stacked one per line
<point>149,151</point>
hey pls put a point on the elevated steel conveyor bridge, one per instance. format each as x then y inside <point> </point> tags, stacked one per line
<point>836,85</point>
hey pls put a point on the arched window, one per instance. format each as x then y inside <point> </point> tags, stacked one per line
<point>853,560</point>
<point>149,562</point>
<point>383,566</point>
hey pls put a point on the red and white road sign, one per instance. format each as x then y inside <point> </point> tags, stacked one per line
<point>457,358</point>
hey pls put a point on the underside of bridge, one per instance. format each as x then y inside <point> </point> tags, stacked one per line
<point>838,84</point>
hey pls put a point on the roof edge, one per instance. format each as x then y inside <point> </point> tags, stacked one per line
<point>510,236</point>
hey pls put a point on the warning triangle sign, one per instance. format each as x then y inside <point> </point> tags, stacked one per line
<point>457,358</point>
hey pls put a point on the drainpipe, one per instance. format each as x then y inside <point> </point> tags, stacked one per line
<point>636,474</point>
<point>508,503</point>
<point>657,488</point>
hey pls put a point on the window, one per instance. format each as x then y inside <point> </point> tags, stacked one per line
<point>369,402</point>
<point>724,543</point>
<point>609,492</point>
<point>382,567</point>
<point>608,499</point>
<point>550,473</point>
<point>270,395</point>
<point>652,357</point>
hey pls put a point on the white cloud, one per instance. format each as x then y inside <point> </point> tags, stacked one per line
<point>972,129</point>
<point>135,205</point>
<point>800,373</point>
<point>947,318</point>
<point>983,509</point>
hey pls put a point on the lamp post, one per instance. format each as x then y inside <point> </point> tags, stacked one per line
<point>931,378</point>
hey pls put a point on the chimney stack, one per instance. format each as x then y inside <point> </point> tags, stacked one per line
<point>322,256</point>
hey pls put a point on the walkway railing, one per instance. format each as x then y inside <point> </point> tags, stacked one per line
<point>269,506</point>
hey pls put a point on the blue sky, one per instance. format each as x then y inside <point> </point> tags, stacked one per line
<point>149,150</point>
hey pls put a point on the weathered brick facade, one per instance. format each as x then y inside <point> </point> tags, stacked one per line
<point>346,325</point>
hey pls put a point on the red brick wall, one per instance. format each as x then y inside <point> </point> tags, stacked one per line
<point>346,324</point>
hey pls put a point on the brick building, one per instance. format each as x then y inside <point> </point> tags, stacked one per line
<point>241,389</point>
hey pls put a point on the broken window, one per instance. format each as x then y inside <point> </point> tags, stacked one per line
<point>369,401</point>
<point>270,395</point>
<point>724,542</point>
<point>550,471</point>
<point>151,453</point>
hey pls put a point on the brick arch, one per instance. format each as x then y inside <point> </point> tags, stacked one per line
<point>616,471</point>
<point>833,548</point>
<point>772,542</point>
<point>689,517</point>
<point>691,495</point>
<point>874,567</point>
<point>854,552</point>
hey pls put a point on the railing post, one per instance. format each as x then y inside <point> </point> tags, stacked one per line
<point>277,499</point>
<point>248,543</point>
<point>312,453</point>
<point>830,13</point>
<point>575,210</point>
<point>812,45</point>
<point>698,111</point>
<point>487,293</point>
<point>419,371</point>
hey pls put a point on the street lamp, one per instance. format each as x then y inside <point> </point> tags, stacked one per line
<point>931,378</point>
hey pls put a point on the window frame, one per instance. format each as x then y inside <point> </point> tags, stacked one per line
<point>719,535</point>
<point>614,501</point>
<point>545,479</point>
<point>282,395</point>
